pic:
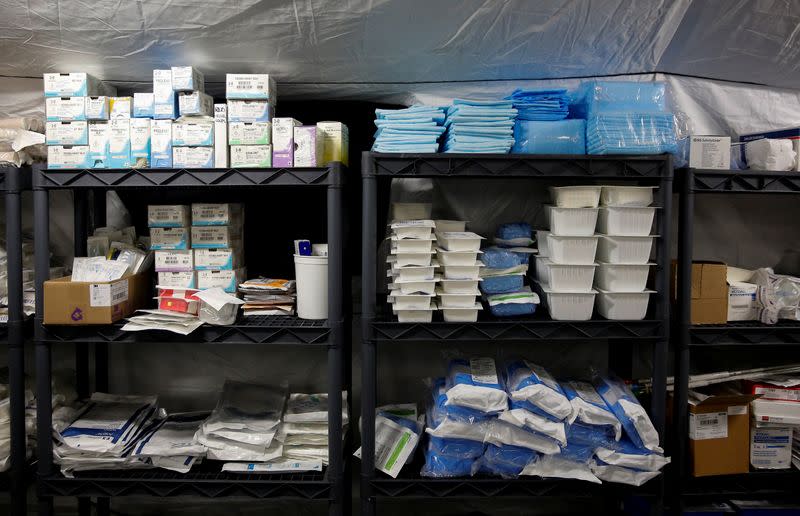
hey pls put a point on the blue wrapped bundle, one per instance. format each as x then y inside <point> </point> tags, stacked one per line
<point>504,461</point>
<point>498,258</point>
<point>512,304</point>
<point>532,383</point>
<point>552,104</point>
<point>478,126</point>
<point>444,466</point>
<point>595,97</point>
<point>562,137</point>
<point>502,284</point>
<point>578,452</point>
<point>440,408</point>
<point>461,448</point>
<point>414,129</point>
<point>635,421</point>
<point>631,133</point>
<point>474,384</point>
<point>514,230</point>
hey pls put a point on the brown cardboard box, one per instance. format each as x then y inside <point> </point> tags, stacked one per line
<point>719,432</point>
<point>709,292</point>
<point>79,303</point>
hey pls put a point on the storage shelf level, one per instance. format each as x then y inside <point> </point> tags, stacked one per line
<point>773,483</point>
<point>745,333</point>
<point>742,181</point>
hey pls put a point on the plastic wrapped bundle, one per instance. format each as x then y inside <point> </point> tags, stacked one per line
<point>556,466</point>
<point>515,231</point>
<point>445,466</point>
<point>479,126</point>
<point>594,97</point>
<point>540,104</point>
<point>590,409</point>
<point>440,409</point>
<point>414,129</point>
<point>562,137</point>
<point>578,452</point>
<point>537,389</point>
<point>503,461</point>
<point>625,454</point>
<point>504,284</point>
<point>474,384</point>
<point>631,133</point>
<point>629,411</point>
<point>497,258</point>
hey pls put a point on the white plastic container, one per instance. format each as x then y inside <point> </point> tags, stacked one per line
<point>573,250</point>
<point>412,273</point>
<point>541,242</point>
<point>622,277</point>
<point>412,245</point>
<point>563,277</point>
<point>462,272</point>
<point>570,221</point>
<point>412,229</point>
<point>637,196</point>
<point>311,275</point>
<point>410,301</point>
<point>414,316</point>
<point>624,249</point>
<point>459,241</point>
<point>623,306</point>
<point>542,271</point>
<point>415,287</point>
<point>456,300</point>
<point>625,221</point>
<point>461,314</point>
<point>570,306</point>
<point>575,196</point>
<point>459,286</point>
<point>404,259</point>
<point>457,257</point>
<point>446,226</point>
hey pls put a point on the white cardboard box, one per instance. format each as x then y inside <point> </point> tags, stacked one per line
<point>120,107</point>
<point>245,133</point>
<point>742,302</point>
<point>217,259</point>
<point>161,144</point>
<point>98,144</point>
<point>97,108</point>
<point>194,132</point>
<point>174,261</point>
<point>228,280</point>
<point>216,214</point>
<point>140,142</point>
<point>143,105</point>
<point>187,78</point>
<point>119,143</point>
<point>774,411</point>
<point>712,152</point>
<point>165,101</point>
<point>68,156</point>
<point>770,446</point>
<point>193,157</point>
<point>249,111</point>
<point>258,86</point>
<point>66,133</point>
<point>216,237</point>
<point>168,216</point>
<point>195,103</point>
<point>162,239</point>
<point>186,279</point>
<point>221,159</point>
<point>75,84</point>
<point>251,156</point>
<point>65,109</point>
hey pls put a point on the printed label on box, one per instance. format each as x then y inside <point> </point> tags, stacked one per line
<point>108,294</point>
<point>483,370</point>
<point>708,426</point>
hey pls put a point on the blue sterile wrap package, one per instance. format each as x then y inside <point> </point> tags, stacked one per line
<point>479,126</point>
<point>635,421</point>
<point>544,104</point>
<point>504,461</point>
<point>595,97</point>
<point>595,436</point>
<point>631,133</point>
<point>512,304</point>
<point>562,137</point>
<point>502,284</point>
<point>474,384</point>
<point>462,448</point>
<point>627,455</point>
<point>529,382</point>
<point>578,452</point>
<point>498,258</point>
<point>514,230</point>
<point>444,466</point>
<point>441,409</point>
<point>414,129</point>
<point>589,408</point>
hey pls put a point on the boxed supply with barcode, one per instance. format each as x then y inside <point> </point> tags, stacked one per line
<point>120,107</point>
<point>776,411</point>
<point>168,216</point>
<point>255,133</point>
<point>140,142</point>
<point>165,100</point>
<point>75,84</point>
<point>217,214</point>
<point>251,156</point>
<point>249,111</point>
<point>787,390</point>
<point>119,143</point>
<point>216,237</point>
<point>66,133</point>
<point>221,135</point>
<point>169,239</point>
<point>161,144</point>
<point>228,280</point>
<point>68,156</point>
<point>770,446</point>
<point>98,144</point>
<point>307,146</point>
<point>97,108</point>
<point>193,132</point>
<point>193,157</point>
<point>259,86</point>
<point>217,259</point>
<point>174,261</point>
<point>283,141</point>
<point>65,109</point>
<point>177,279</point>
<point>80,303</point>
<point>195,103</point>
<point>187,78</point>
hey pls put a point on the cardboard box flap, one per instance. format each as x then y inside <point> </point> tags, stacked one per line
<point>720,394</point>
<point>68,279</point>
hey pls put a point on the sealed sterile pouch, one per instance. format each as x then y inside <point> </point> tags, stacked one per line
<point>179,464</point>
<point>453,429</point>
<point>536,423</point>
<point>621,475</point>
<point>531,383</point>
<point>444,466</point>
<point>626,454</point>
<point>503,433</point>
<point>173,437</point>
<point>394,444</point>
<point>306,452</point>
<point>244,406</point>
<point>629,411</point>
<point>440,409</point>
<point>589,408</point>
<point>578,452</point>
<point>504,461</point>
<point>474,384</point>
<point>514,230</point>
<point>501,284</point>
<point>554,466</point>
<point>228,450</point>
<point>312,408</point>
<point>498,258</point>
<point>463,448</point>
<point>285,466</point>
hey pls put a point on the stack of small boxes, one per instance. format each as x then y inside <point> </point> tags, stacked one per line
<point>298,145</point>
<point>251,103</point>
<point>192,133</point>
<point>412,270</point>
<point>199,246</point>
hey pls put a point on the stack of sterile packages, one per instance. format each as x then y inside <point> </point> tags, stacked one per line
<point>540,105</point>
<point>529,424</point>
<point>412,270</point>
<point>458,249</point>
<point>541,127</point>
<point>479,126</point>
<point>304,430</point>
<point>267,296</point>
<point>414,129</point>
<point>506,265</point>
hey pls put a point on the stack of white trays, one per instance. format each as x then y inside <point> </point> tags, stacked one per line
<point>412,270</point>
<point>457,251</point>
<point>625,222</point>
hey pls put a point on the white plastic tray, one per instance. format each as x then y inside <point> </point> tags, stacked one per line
<point>456,300</point>
<point>625,220</point>
<point>570,249</point>
<point>563,277</point>
<point>459,241</point>
<point>415,287</point>
<point>570,306</point>
<point>459,286</point>
<point>418,316</point>
<point>413,272</point>
<point>444,226</point>
<point>570,221</point>
<point>405,259</point>
<point>541,242</point>
<point>469,314</point>
<point>412,228</point>
<point>622,277</point>
<point>627,195</point>
<point>624,249</point>
<point>462,272</point>
<point>409,301</point>
<point>623,306</point>
<point>457,257</point>
<point>412,245</point>
<point>575,196</point>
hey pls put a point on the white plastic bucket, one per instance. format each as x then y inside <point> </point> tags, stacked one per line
<point>311,274</point>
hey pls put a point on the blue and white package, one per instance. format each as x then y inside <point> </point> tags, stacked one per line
<point>620,475</point>
<point>536,423</point>
<point>161,144</point>
<point>589,408</point>
<point>474,384</point>
<point>66,133</point>
<point>625,454</point>
<point>497,258</point>
<point>75,84</point>
<point>140,142</point>
<point>503,461</point>
<point>187,78</point>
<point>119,143</point>
<point>593,436</point>
<point>479,126</point>
<point>500,433</point>
<point>463,448</point>
<point>595,97</point>
<point>629,411</point>
<point>631,133</point>
<point>193,157</point>
<point>532,383</point>
<point>448,428</point>
<point>544,104</point>
<point>502,284</point>
<point>68,157</point>
<point>578,452</point>
<point>444,466</point>
<point>66,109</point>
<point>439,408</point>
<point>98,108</point>
<point>165,100</point>
<point>98,144</point>
<point>562,137</point>
<point>249,111</point>
<point>514,230</point>
<point>556,466</point>
<point>143,105</point>
<point>413,129</point>
<point>513,304</point>
<point>193,132</point>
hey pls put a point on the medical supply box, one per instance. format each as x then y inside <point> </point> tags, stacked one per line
<point>81,303</point>
<point>335,142</point>
<point>790,133</point>
<point>770,446</point>
<point>710,152</point>
<point>216,214</point>
<point>227,280</point>
<point>719,431</point>
<point>250,86</point>
<point>742,295</point>
<point>709,292</point>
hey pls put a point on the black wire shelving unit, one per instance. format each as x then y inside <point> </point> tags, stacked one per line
<point>740,334</point>
<point>13,182</point>
<point>206,479</point>
<point>379,328</point>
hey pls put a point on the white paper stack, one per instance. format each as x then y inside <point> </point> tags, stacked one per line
<point>304,431</point>
<point>412,270</point>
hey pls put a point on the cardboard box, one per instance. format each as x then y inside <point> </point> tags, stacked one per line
<point>193,157</point>
<point>119,143</point>
<point>68,156</point>
<point>165,101</point>
<point>791,133</point>
<point>719,432</point>
<point>216,237</point>
<point>228,280</point>
<point>98,144</point>
<point>307,146</point>
<point>245,133</point>
<point>770,446</point>
<point>161,144</point>
<point>249,111</point>
<point>187,78</point>
<point>258,86</point>
<point>120,107</point>
<point>65,109</point>
<point>768,391</point>
<point>217,259</point>
<point>742,302</point>
<point>174,261</point>
<point>283,141</point>
<point>195,103</point>
<point>709,292</point>
<point>251,156</point>
<point>177,279</point>
<point>168,216</point>
<point>710,152</point>
<point>197,132</point>
<point>97,108</point>
<point>76,84</point>
<point>217,214</point>
<point>775,411</point>
<point>169,239</point>
<point>221,159</point>
<point>143,105</point>
<point>66,133</point>
<point>79,303</point>
<point>335,142</point>
<point>140,142</point>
